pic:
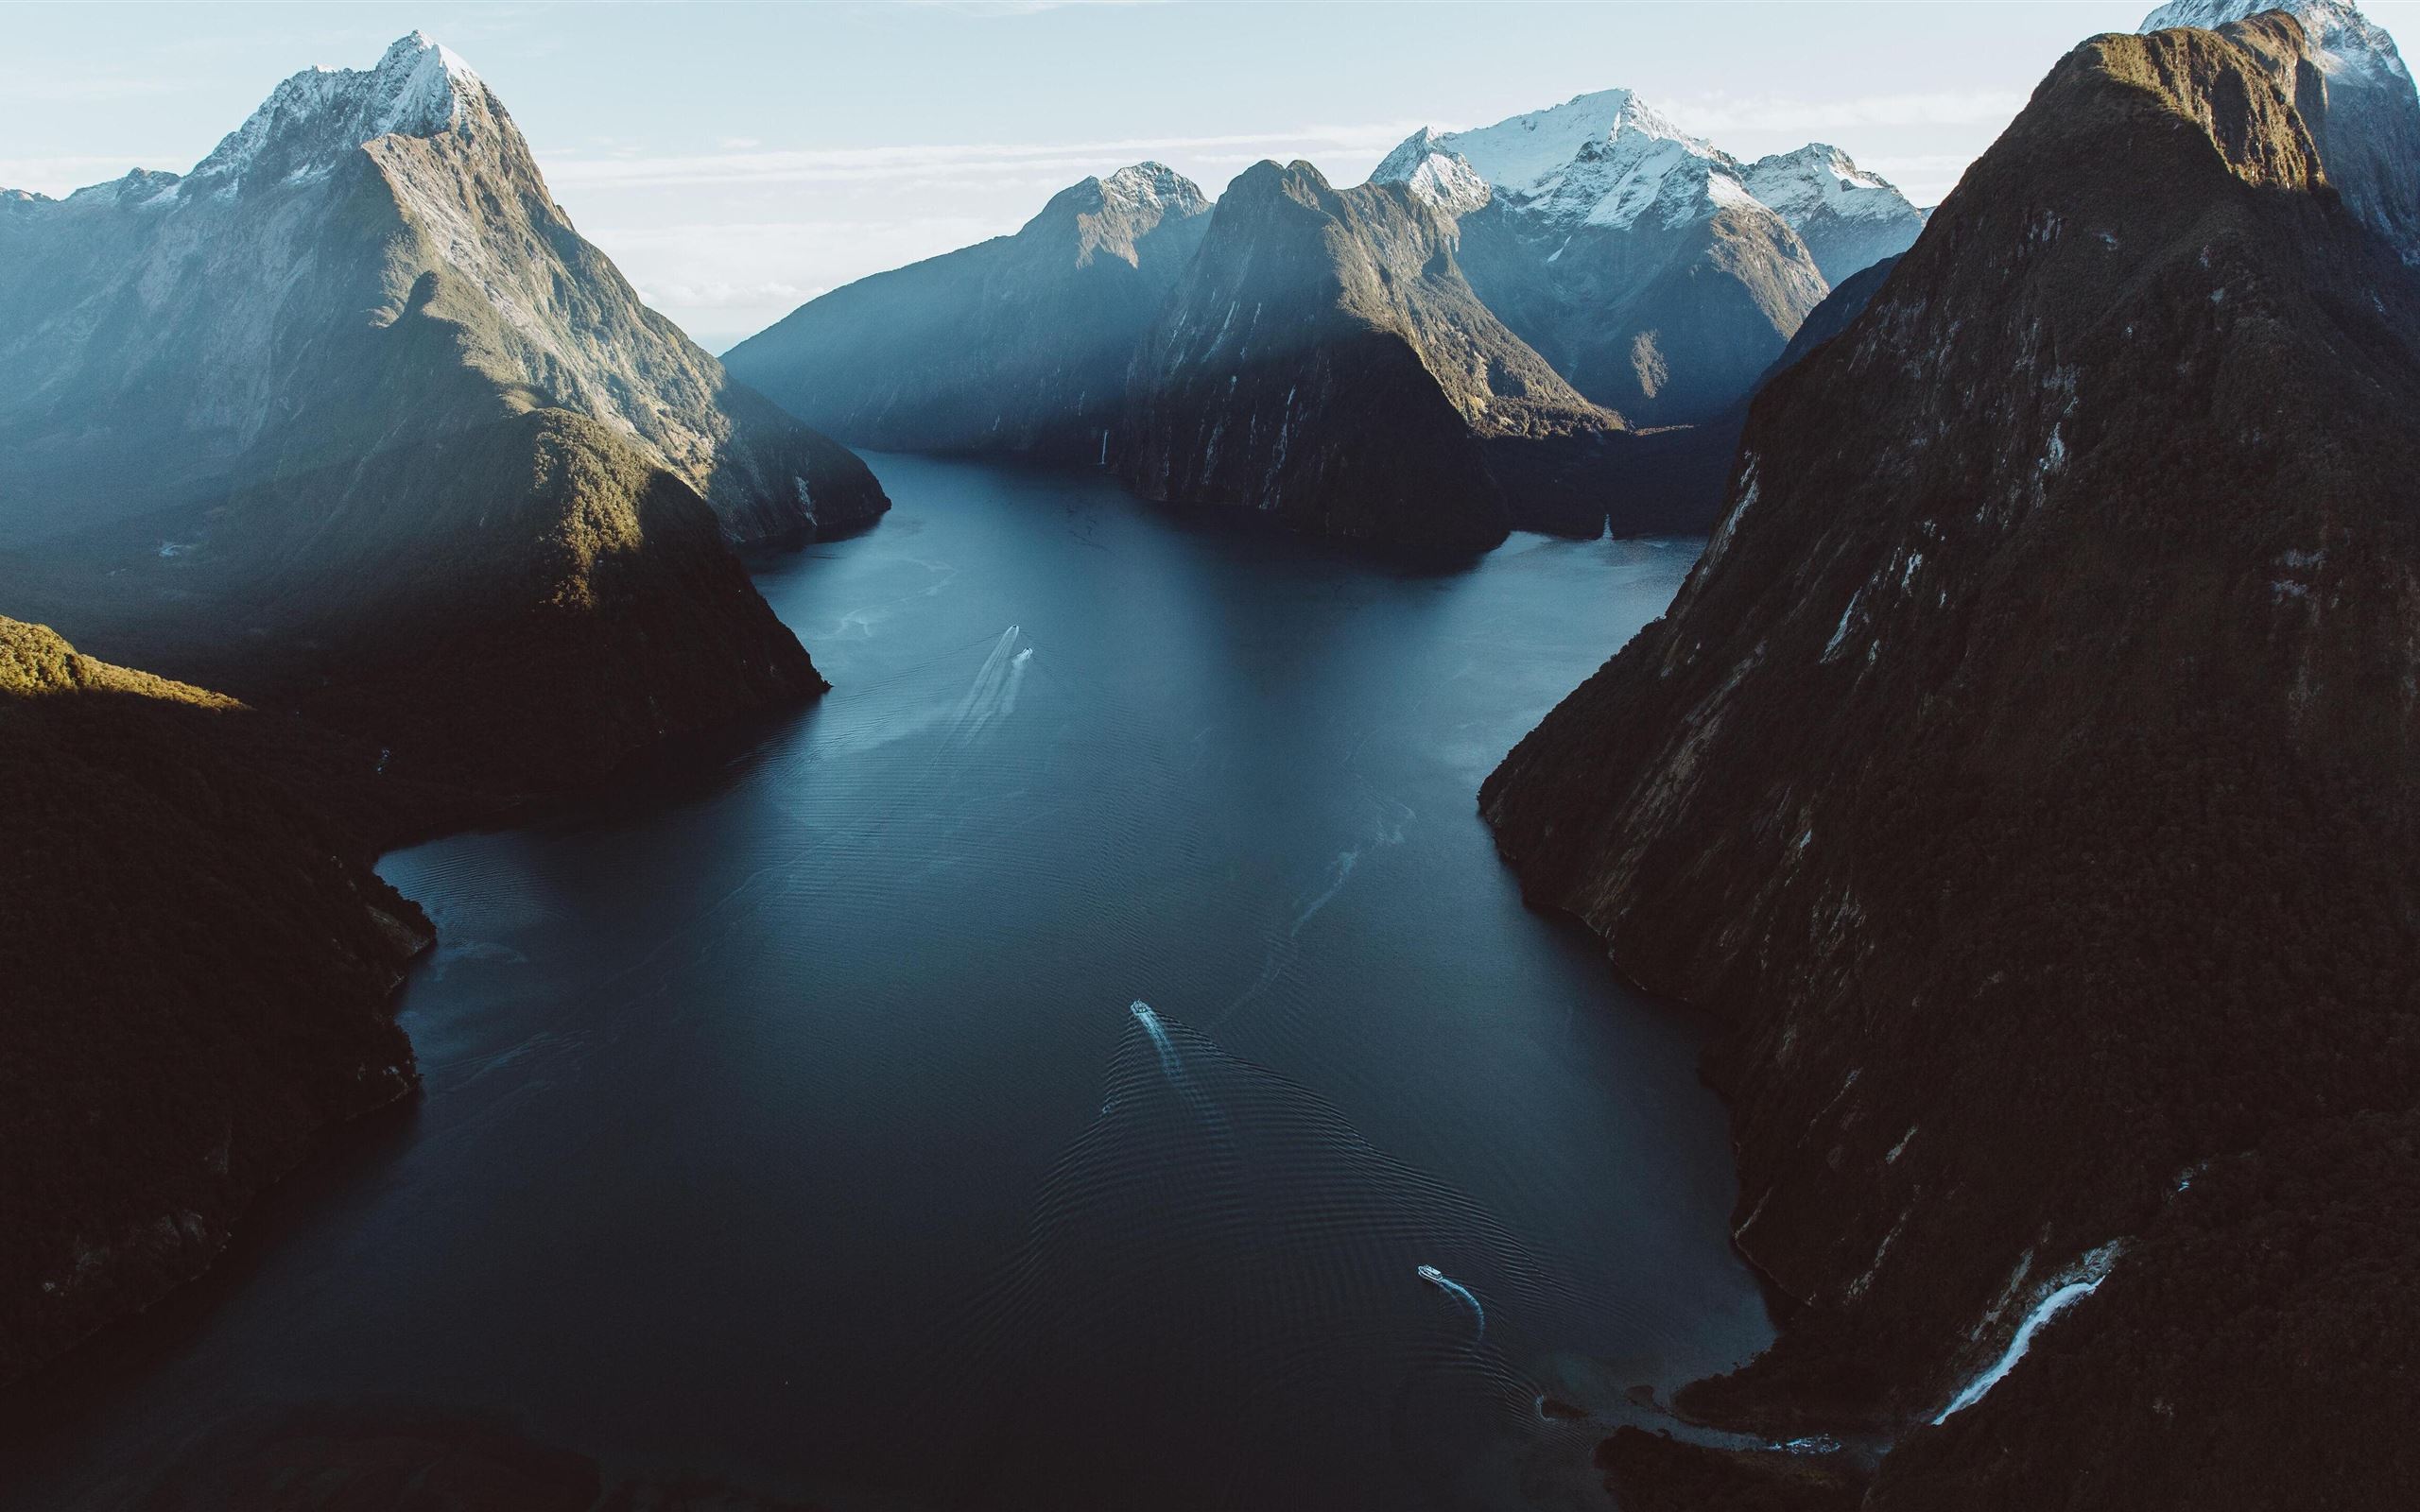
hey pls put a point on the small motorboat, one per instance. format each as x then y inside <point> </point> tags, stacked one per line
<point>1434,1278</point>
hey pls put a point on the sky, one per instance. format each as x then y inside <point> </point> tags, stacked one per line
<point>737,159</point>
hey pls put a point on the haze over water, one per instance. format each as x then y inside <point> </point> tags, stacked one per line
<point>1033,1076</point>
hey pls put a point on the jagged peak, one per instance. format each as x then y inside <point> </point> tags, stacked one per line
<point>1601,157</point>
<point>1156,184</point>
<point>417,88</point>
<point>1112,214</point>
<point>1431,171</point>
<point>1819,177</point>
<point>1528,156</point>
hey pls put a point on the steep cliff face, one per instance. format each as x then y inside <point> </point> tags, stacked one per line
<point>165,337</point>
<point>199,960</point>
<point>2027,772</point>
<point>1655,271</point>
<point>1323,363</point>
<point>1019,345</point>
<point>350,419</point>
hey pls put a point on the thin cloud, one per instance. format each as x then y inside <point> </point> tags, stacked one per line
<point>62,176</point>
<point>1715,113</point>
<point>89,91</point>
<point>923,161</point>
<point>749,273</point>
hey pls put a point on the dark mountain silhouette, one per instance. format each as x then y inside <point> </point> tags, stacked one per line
<point>2026,775</point>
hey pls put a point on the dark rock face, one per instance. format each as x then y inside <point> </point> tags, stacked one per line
<point>1846,301</point>
<point>1019,345</point>
<point>200,961</point>
<point>1677,480</point>
<point>1655,1473</point>
<point>1324,364</point>
<point>413,453</point>
<point>2027,774</point>
<point>374,1457</point>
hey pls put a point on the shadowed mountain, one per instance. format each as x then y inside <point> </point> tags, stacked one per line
<point>1324,364</point>
<point>199,960</point>
<point>351,416</point>
<point>1016,345</point>
<point>2026,775</point>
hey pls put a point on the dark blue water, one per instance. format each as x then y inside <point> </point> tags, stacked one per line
<point>793,1118</point>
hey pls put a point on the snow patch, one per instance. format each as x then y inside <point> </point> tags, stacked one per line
<point>1840,631</point>
<point>418,88</point>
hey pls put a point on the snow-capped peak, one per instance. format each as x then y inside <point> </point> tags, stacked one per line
<point>2345,41</point>
<point>1817,178</point>
<point>1434,173</point>
<point>1152,184</point>
<point>418,88</point>
<point>1602,159</point>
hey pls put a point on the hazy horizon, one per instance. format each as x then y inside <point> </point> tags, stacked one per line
<point>735,160</point>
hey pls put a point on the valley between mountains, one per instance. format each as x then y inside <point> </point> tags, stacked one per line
<point>1995,779</point>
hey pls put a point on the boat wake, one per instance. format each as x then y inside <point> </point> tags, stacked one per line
<point>995,693</point>
<point>1445,1283</point>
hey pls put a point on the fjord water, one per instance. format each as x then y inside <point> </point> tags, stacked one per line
<point>1033,1076</point>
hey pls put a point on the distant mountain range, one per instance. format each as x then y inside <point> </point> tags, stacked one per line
<point>2026,774</point>
<point>1018,344</point>
<point>1598,268</point>
<point>1658,273</point>
<point>1323,363</point>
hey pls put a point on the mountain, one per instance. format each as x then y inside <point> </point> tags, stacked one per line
<point>350,417</point>
<point>1850,219</point>
<point>1639,260</point>
<point>198,959</point>
<point>2025,777</point>
<point>128,307</point>
<point>2369,134</point>
<point>1018,344</point>
<point>1324,364</point>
